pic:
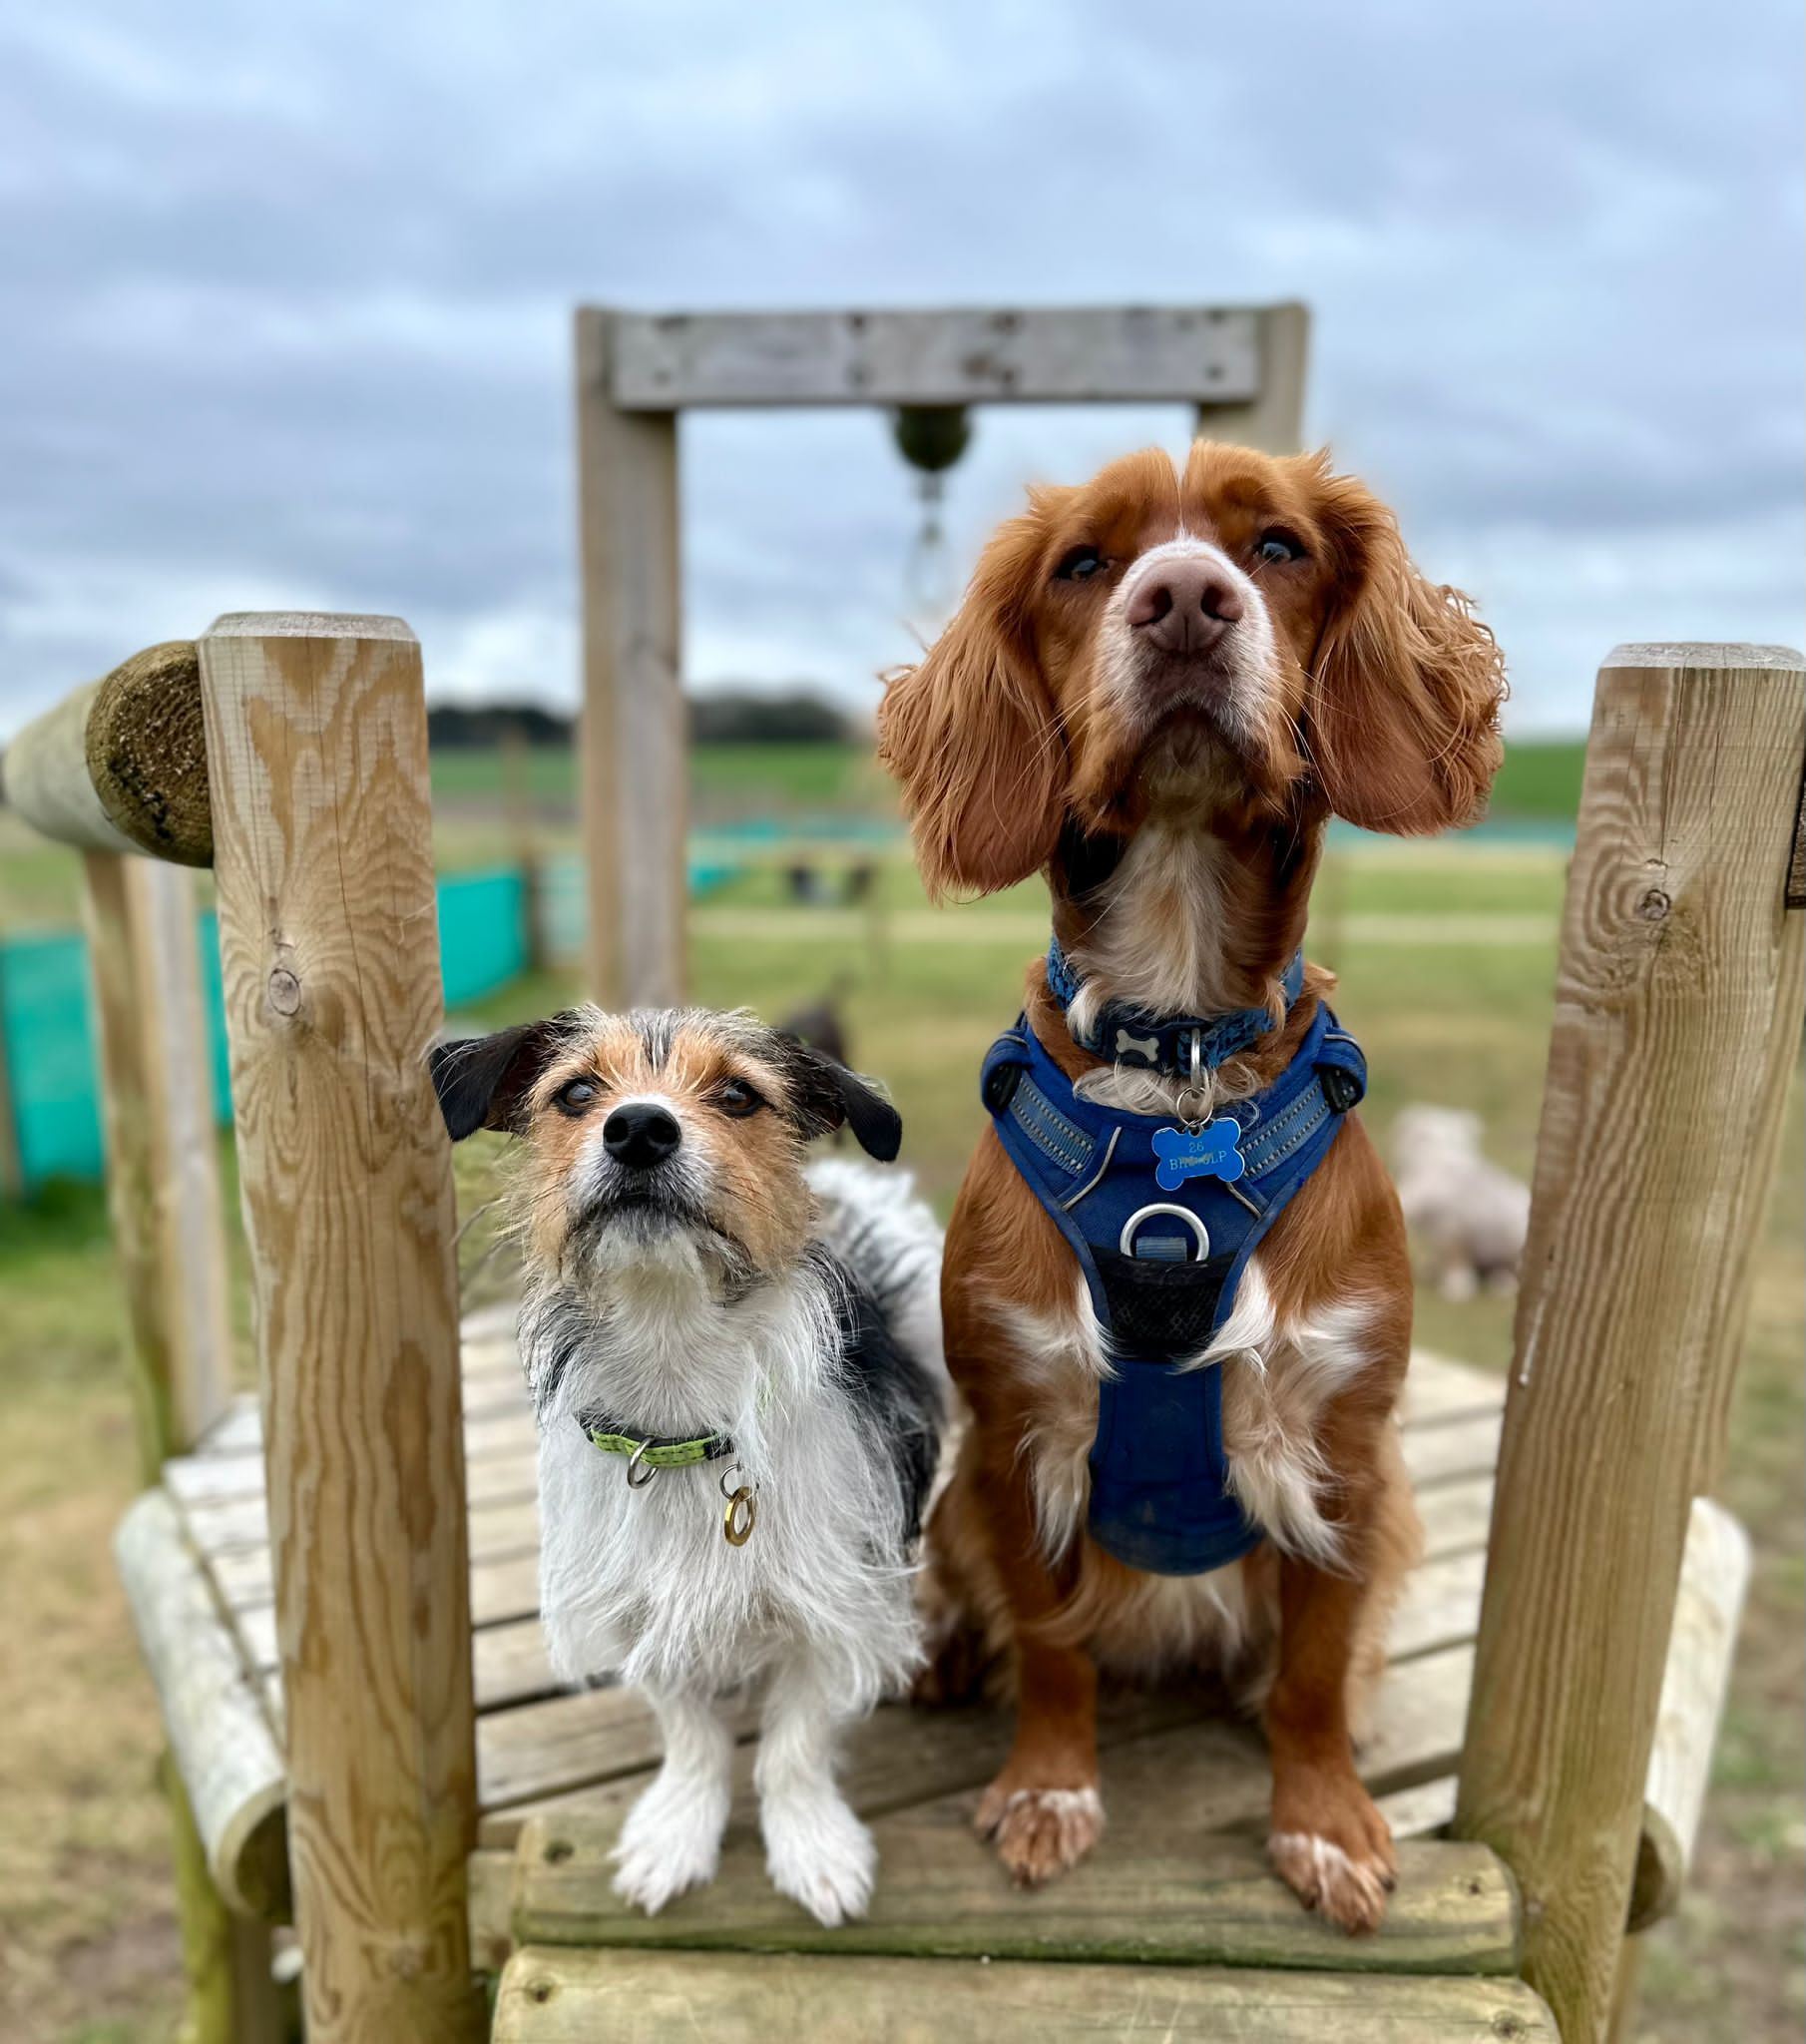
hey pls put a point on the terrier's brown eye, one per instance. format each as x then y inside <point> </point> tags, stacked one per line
<point>574,1096</point>
<point>738,1099</point>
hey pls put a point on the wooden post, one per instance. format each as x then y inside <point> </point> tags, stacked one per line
<point>162,1173</point>
<point>1678,1017</point>
<point>317,743</point>
<point>633,772</point>
<point>1272,419</point>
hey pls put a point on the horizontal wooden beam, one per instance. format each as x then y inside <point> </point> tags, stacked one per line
<point>1163,1893</point>
<point>216,1729</point>
<point>1192,354</point>
<point>120,765</point>
<point>552,1996</point>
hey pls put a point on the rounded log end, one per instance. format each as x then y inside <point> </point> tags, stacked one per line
<point>1662,1873</point>
<point>146,754</point>
<point>249,1858</point>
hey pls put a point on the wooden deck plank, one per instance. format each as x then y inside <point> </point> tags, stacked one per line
<point>497,1526</point>
<point>1167,1894</point>
<point>1157,1746</point>
<point>1452,1450</point>
<point>545,1750</point>
<point>1436,1389</point>
<point>502,1585</point>
<point>552,1996</point>
<point>493,1472</point>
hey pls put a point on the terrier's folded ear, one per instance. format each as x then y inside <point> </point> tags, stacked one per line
<point>826,1096</point>
<point>483,1081</point>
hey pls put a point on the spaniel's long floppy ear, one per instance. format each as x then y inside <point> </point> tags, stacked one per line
<point>971,735</point>
<point>827,1096</point>
<point>1403,717</point>
<point>483,1081</point>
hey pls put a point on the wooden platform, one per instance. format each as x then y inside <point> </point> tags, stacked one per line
<point>1180,1887</point>
<point>540,1749</point>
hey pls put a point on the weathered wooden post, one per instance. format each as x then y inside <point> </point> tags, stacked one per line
<point>1678,1017</point>
<point>316,746</point>
<point>163,1183</point>
<point>632,779</point>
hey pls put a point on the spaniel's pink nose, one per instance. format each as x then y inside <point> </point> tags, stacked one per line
<point>1184,606</point>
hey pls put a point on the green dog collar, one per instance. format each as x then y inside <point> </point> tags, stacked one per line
<point>653,1451</point>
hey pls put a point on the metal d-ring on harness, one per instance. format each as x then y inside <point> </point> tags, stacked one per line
<point>648,1454</point>
<point>1163,1220</point>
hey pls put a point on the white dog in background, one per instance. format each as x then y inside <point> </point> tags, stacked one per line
<point>1467,1216</point>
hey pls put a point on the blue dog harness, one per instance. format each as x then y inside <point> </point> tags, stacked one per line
<point>1163,1219</point>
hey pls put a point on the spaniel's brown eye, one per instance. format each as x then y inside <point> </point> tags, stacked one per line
<point>1276,547</point>
<point>575,1096</point>
<point>1079,565</point>
<point>738,1099</point>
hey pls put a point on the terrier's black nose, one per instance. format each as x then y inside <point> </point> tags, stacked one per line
<point>641,1135</point>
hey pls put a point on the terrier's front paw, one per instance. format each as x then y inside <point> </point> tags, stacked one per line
<point>1039,1833</point>
<point>671,1842</point>
<point>819,1854</point>
<point>1343,1865</point>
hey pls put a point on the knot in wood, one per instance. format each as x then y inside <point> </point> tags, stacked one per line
<point>284,991</point>
<point>1654,905</point>
<point>558,1850</point>
<point>540,1990</point>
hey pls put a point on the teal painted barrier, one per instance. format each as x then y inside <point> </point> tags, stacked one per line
<point>47,1035</point>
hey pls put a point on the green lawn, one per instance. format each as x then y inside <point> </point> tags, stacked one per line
<point>1540,779</point>
<point>726,782</point>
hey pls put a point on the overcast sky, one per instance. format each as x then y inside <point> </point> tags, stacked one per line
<point>287,299</point>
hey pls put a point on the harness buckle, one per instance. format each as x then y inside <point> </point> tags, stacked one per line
<point>1341,1087</point>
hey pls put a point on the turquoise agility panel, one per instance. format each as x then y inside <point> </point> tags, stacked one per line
<point>45,1024</point>
<point>482,933</point>
<point>48,1034</point>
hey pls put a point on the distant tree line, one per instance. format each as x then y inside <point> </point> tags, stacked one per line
<point>728,717</point>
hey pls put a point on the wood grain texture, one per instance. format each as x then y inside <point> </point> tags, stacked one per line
<point>1678,1013</point>
<point>316,742</point>
<point>163,1187</point>
<point>632,733</point>
<point>552,1996</point>
<point>1180,1898</point>
<point>1200,355</point>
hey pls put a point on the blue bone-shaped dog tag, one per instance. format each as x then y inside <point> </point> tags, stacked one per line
<point>1209,1151</point>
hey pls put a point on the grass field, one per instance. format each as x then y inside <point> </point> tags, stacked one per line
<point>1541,781</point>
<point>1446,955</point>
<point>726,783</point>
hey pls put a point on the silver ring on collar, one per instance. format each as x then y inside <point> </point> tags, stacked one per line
<point>1125,1243</point>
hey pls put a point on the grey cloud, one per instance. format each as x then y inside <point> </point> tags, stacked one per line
<point>285,299</point>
